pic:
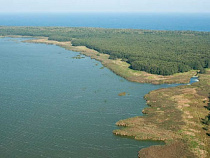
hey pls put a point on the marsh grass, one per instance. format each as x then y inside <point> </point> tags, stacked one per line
<point>174,114</point>
<point>119,66</point>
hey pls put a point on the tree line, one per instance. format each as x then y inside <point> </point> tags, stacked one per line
<point>156,52</point>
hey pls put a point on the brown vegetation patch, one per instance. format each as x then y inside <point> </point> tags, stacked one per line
<point>122,94</point>
<point>141,131</point>
<point>175,150</point>
<point>120,67</point>
<point>175,115</point>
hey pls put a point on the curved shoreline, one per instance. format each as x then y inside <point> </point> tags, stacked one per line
<point>174,116</point>
<point>118,66</point>
<point>151,129</point>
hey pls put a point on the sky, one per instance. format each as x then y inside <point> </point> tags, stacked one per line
<point>181,6</point>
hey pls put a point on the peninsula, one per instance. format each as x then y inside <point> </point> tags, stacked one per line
<point>178,116</point>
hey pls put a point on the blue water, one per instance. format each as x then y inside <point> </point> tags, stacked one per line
<point>194,79</point>
<point>158,21</point>
<point>52,105</point>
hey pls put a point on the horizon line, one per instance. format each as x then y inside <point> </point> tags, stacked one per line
<point>172,12</point>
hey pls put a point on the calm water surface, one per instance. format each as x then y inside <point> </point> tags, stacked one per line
<point>154,21</point>
<point>52,105</point>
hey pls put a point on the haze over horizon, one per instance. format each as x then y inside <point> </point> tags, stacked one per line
<point>155,6</point>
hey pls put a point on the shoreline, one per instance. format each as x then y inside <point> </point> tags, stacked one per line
<point>145,128</point>
<point>174,115</point>
<point>118,66</point>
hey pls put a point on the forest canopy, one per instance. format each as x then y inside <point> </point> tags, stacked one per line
<point>156,52</point>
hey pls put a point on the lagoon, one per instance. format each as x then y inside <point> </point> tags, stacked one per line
<point>55,105</point>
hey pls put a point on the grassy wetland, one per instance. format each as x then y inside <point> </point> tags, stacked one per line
<point>120,67</point>
<point>156,52</point>
<point>175,115</point>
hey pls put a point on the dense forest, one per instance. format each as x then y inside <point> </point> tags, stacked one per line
<point>156,52</point>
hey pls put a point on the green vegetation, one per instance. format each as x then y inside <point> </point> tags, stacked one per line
<point>206,120</point>
<point>78,57</point>
<point>176,115</point>
<point>179,116</point>
<point>208,106</point>
<point>156,52</point>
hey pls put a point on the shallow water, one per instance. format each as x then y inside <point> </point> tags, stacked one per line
<point>194,79</point>
<point>52,105</point>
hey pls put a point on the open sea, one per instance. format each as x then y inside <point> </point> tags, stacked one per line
<point>55,106</point>
<point>152,21</point>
